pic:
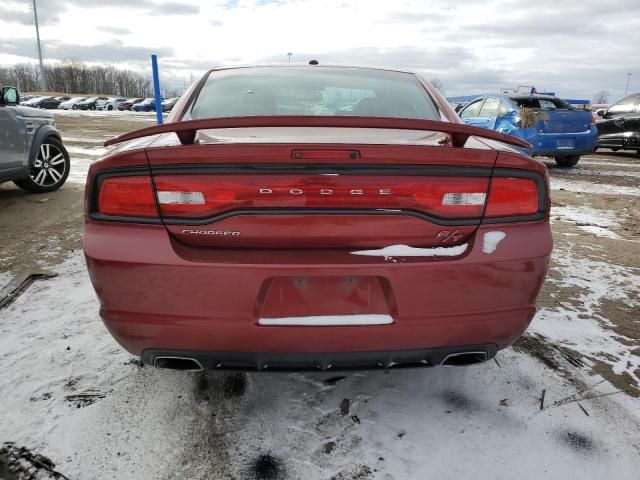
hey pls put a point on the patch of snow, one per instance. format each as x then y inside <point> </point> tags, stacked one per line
<point>53,346</point>
<point>586,215</point>
<point>592,220</point>
<point>589,187</point>
<point>70,139</point>
<point>91,152</point>
<point>607,173</point>
<point>321,320</point>
<point>148,117</point>
<point>407,251</point>
<point>581,324</point>
<point>600,232</point>
<point>491,240</point>
<point>5,278</point>
<point>604,163</point>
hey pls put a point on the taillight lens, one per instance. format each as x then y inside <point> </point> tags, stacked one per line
<point>127,197</point>
<point>512,197</point>
<point>204,196</point>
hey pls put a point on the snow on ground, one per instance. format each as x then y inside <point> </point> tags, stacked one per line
<point>129,115</point>
<point>633,163</point>
<point>592,220</point>
<point>580,322</point>
<point>69,392</point>
<point>57,358</point>
<point>606,173</point>
<point>571,185</point>
<point>81,159</point>
<point>90,152</point>
<point>5,278</point>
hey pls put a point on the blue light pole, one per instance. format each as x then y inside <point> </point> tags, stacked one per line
<point>156,88</point>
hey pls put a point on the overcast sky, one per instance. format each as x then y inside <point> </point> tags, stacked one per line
<point>574,48</point>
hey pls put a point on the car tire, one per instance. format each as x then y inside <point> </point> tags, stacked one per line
<point>75,107</point>
<point>567,161</point>
<point>93,107</point>
<point>50,168</point>
<point>109,107</point>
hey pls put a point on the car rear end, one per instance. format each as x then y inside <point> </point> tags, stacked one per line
<point>310,244</point>
<point>555,128</point>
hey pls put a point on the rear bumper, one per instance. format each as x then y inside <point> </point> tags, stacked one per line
<point>622,140</point>
<point>314,361</point>
<point>583,143</point>
<point>155,296</point>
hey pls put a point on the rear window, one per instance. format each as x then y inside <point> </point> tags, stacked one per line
<point>312,91</point>
<point>547,103</point>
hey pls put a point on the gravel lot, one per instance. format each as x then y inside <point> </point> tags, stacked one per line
<point>563,403</point>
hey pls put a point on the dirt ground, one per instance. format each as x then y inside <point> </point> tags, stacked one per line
<point>594,275</point>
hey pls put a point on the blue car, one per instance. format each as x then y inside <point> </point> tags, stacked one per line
<point>147,105</point>
<point>552,126</point>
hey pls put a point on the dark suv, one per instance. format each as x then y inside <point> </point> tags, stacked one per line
<point>31,150</point>
<point>619,128</point>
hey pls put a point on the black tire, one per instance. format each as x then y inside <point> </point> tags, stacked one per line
<point>93,107</point>
<point>50,168</point>
<point>75,107</point>
<point>568,161</point>
<point>109,107</point>
<point>637,153</point>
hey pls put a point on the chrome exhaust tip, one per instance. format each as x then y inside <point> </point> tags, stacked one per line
<point>184,364</point>
<point>462,359</point>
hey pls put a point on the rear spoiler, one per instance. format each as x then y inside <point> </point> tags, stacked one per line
<point>186,130</point>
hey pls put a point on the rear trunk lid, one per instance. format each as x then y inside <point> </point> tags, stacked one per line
<point>563,121</point>
<point>320,188</point>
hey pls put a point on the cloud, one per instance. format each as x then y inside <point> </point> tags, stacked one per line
<point>403,57</point>
<point>110,52</point>
<point>50,12</point>
<point>174,8</point>
<point>115,30</point>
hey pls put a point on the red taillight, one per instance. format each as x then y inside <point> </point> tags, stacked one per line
<point>512,197</point>
<point>204,196</point>
<point>190,196</point>
<point>127,197</point>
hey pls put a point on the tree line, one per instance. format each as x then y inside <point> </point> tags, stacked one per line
<point>79,78</point>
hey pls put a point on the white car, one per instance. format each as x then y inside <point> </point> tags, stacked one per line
<point>111,104</point>
<point>71,104</point>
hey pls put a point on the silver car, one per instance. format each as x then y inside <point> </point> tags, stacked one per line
<point>31,151</point>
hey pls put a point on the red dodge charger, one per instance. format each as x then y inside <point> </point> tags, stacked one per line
<point>315,218</point>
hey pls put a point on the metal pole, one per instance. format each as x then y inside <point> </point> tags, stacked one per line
<point>627,90</point>
<point>43,81</point>
<point>156,88</point>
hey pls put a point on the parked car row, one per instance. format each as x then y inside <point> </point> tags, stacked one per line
<point>97,103</point>
<point>45,102</point>
<point>149,104</point>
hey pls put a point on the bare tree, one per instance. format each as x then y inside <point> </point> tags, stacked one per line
<point>438,84</point>
<point>602,96</point>
<point>78,78</point>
